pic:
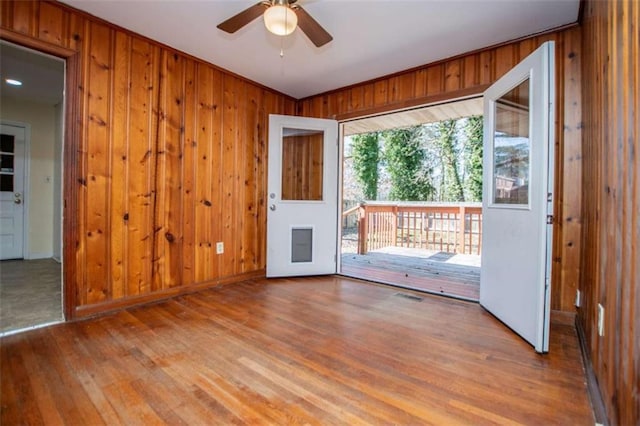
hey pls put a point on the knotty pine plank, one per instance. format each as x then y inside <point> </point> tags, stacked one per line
<point>140,153</point>
<point>189,170</point>
<point>453,74</point>
<point>98,148</point>
<point>249,184</point>
<point>52,22</point>
<point>120,118</point>
<point>206,154</point>
<point>232,89</point>
<point>173,150</point>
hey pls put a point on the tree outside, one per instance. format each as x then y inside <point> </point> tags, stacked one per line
<point>439,161</point>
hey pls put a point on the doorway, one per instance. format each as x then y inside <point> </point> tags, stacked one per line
<point>31,107</point>
<point>412,199</point>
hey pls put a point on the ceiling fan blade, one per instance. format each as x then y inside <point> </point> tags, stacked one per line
<point>238,21</point>
<point>318,35</point>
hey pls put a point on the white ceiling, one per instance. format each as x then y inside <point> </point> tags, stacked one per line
<point>42,76</point>
<point>371,38</point>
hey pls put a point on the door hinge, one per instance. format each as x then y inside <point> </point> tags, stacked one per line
<point>335,258</point>
<point>549,219</point>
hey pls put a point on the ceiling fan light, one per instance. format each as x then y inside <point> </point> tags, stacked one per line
<point>280,20</point>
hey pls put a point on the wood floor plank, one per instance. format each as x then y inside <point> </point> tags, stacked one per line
<point>318,350</point>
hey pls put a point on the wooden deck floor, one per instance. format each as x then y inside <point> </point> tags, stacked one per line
<point>424,270</point>
<point>322,350</point>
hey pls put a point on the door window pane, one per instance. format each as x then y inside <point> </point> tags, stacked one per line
<point>6,163</point>
<point>7,143</point>
<point>511,147</point>
<point>302,164</point>
<point>6,183</point>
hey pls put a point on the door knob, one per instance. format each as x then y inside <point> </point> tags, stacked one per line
<point>17,201</point>
<point>272,207</point>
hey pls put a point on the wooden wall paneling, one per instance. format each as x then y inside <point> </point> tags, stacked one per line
<point>342,100</point>
<point>263,154</point>
<point>98,151</point>
<point>142,121</point>
<point>356,96</point>
<point>252,192</point>
<point>119,177</point>
<point>169,208</point>
<point>73,39</point>
<point>453,71</point>
<point>368,96</point>
<point>134,192</point>
<point>569,171</point>
<point>406,86</point>
<point>207,204</point>
<point>23,17</point>
<point>506,58</point>
<point>288,181</point>
<point>380,95</point>
<point>420,84</point>
<point>393,89</point>
<point>486,67</point>
<point>610,256</point>
<point>52,24</point>
<point>471,71</point>
<point>6,15</point>
<point>317,166</point>
<point>435,79</point>
<point>240,168</point>
<point>189,177</point>
<point>230,144</point>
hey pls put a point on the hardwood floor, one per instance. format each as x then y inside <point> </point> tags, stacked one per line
<point>321,350</point>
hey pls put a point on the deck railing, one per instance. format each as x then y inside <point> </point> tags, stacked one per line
<point>452,228</point>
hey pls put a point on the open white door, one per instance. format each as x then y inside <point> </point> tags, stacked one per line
<point>517,199</point>
<point>12,159</point>
<point>302,196</point>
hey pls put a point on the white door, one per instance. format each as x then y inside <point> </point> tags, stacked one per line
<point>12,152</point>
<point>517,199</point>
<point>302,212</point>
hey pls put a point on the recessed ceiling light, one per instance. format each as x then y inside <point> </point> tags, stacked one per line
<point>13,82</point>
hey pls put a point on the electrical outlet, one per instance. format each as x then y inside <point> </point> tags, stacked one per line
<point>577,298</point>
<point>219,247</point>
<point>600,320</point>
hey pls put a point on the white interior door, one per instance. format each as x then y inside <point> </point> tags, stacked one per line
<point>302,196</point>
<point>12,152</point>
<point>517,199</point>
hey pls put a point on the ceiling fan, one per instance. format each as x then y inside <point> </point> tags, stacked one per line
<point>281,18</point>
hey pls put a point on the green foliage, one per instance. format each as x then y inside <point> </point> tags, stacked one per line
<point>405,158</point>
<point>366,155</point>
<point>434,161</point>
<point>473,157</point>
<point>447,142</point>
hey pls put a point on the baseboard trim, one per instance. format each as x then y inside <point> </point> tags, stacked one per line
<point>597,402</point>
<point>36,256</point>
<point>87,311</point>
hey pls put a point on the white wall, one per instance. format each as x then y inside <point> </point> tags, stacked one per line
<point>57,183</point>
<point>42,153</point>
